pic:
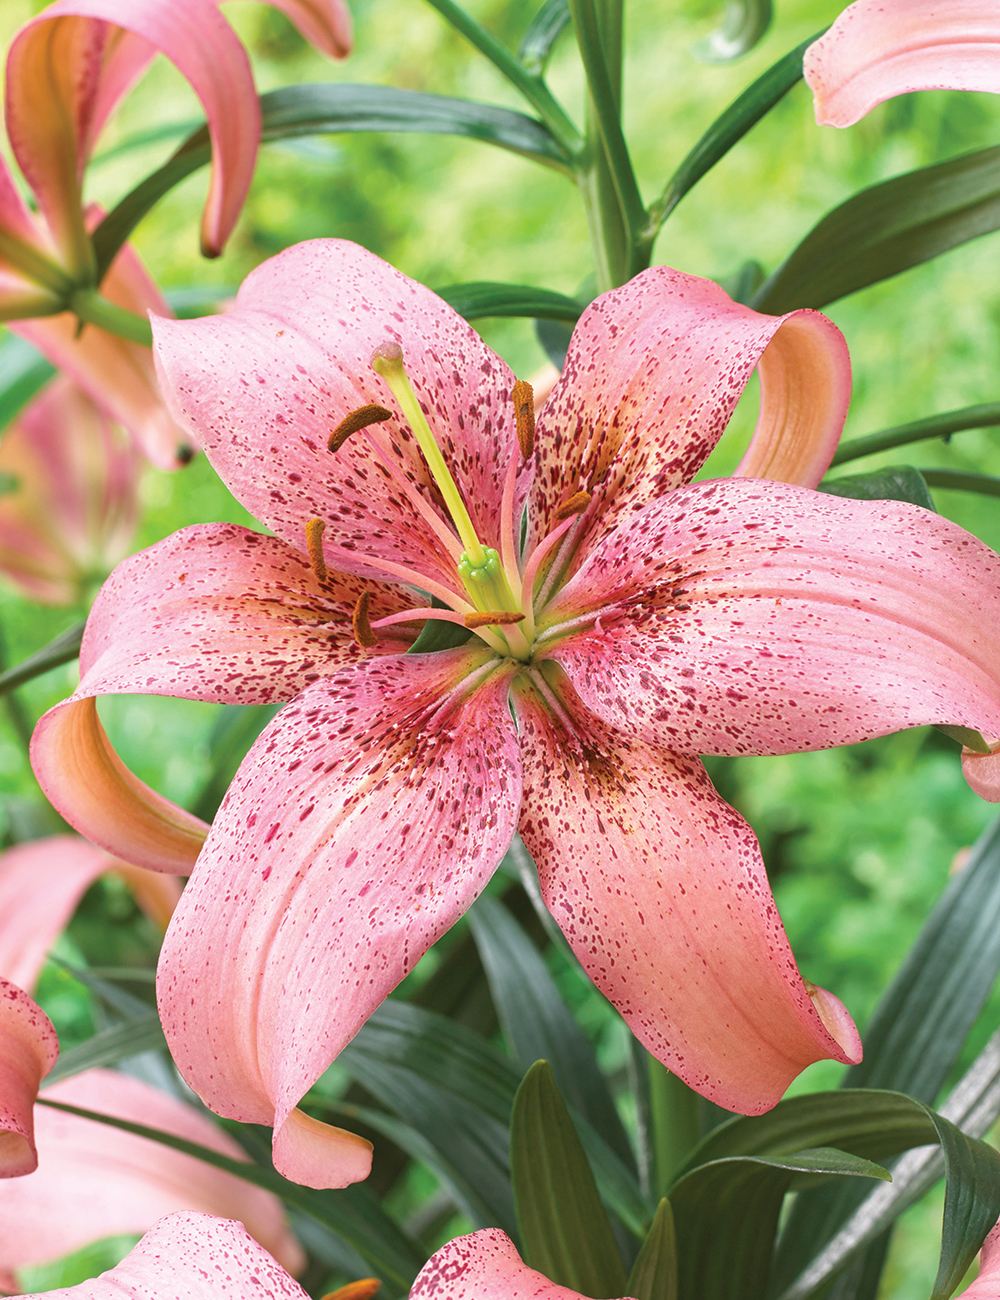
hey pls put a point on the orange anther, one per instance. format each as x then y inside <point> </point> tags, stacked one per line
<point>359,419</point>
<point>364,633</point>
<point>524,412</point>
<point>574,505</point>
<point>360,1290</point>
<point>314,544</point>
<point>502,617</point>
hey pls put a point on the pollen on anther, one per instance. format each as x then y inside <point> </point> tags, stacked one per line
<point>524,412</point>
<point>364,633</point>
<point>574,505</point>
<point>501,617</point>
<point>359,419</point>
<point>314,544</point>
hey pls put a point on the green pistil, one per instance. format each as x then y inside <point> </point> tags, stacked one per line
<point>487,583</point>
<point>387,360</point>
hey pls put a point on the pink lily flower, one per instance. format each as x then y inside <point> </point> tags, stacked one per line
<point>28,1051</point>
<point>881,48</point>
<point>189,1256</point>
<point>71,504</point>
<point>94,1181</point>
<point>484,1265</point>
<point>987,1284</point>
<point>641,623</point>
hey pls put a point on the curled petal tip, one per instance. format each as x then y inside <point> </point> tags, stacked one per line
<point>982,771</point>
<point>315,1154</point>
<point>838,1022</point>
<point>28,1051</point>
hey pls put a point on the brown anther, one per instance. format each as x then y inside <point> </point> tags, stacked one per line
<point>314,544</point>
<point>524,412</point>
<point>502,617</point>
<point>363,1289</point>
<point>359,419</point>
<point>574,505</point>
<point>364,633</point>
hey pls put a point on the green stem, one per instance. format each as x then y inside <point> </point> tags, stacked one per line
<point>608,236</point>
<point>956,481</point>
<point>984,416</point>
<point>531,86</point>
<point>673,1109</point>
<point>65,647</point>
<point>35,265</point>
<point>93,309</point>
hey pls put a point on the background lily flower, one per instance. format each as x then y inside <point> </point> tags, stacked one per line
<point>94,1181</point>
<point>484,1266</point>
<point>643,623</point>
<point>68,495</point>
<point>190,1257</point>
<point>881,48</point>
<point>28,1051</point>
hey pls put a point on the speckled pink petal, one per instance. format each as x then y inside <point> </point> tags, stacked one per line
<point>361,825</point>
<point>743,617</point>
<point>28,1051</point>
<point>190,1257</point>
<point>117,375</point>
<point>55,67</point>
<point>484,1266</point>
<point>660,889</point>
<point>987,1285</point>
<point>263,387</point>
<point>651,378</point>
<point>880,48</point>
<point>94,1181</point>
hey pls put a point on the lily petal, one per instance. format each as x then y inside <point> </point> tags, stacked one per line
<point>652,375</point>
<point>94,1181</point>
<point>189,1257</point>
<point>881,48</point>
<point>660,889</point>
<point>324,23</point>
<point>987,1285</point>
<point>785,620</point>
<point>365,820</point>
<point>28,1051</point>
<point>55,68</point>
<point>263,387</point>
<point>484,1265</point>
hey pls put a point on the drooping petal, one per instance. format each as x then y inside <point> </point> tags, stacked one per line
<point>653,373</point>
<point>94,1181</point>
<point>361,825</point>
<point>28,1051</point>
<point>742,617</point>
<point>117,375</point>
<point>484,1265</point>
<point>55,101</point>
<point>660,889</point>
<point>189,1257</point>
<point>324,23</point>
<point>987,1285</point>
<point>880,48</point>
<point>263,387</point>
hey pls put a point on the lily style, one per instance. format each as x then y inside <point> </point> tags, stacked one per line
<point>877,49</point>
<point>484,1265</point>
<point>484,627</point>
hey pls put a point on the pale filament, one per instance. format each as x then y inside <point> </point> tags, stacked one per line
<point>531,569</point>
<point>552,577</point>
<point>445,616</point>
<point>401,573</point>
<point>508,556</point>
<point>416,499</point>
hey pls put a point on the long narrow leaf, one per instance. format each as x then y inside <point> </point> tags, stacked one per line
<point>956,481</point>
<point>23,371</point>
<point>744,23</point>
<point>537,42</point>
<point>109,1046</point>
<point>983,416</point>
<point>486,298</point>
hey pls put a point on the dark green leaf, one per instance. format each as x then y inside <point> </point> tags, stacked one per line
<point>439,634</point>
<point>109,1046</point>
<point>537,42</point>
<point>485,298</point>
<point>329,107</point>
<point>955,481</point>
<point>887,229</point>
<point>894,483</point>
<point>654,1273</point>
<point>65,647</point>
<point>23,370</point>
<point>744,23</point>
<point>565,1230</point>
<point>984,416</point>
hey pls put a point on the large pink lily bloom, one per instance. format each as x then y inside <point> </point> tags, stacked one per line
<point>28,1051</point>
<point>484,1266</point>
<point>94,1181</point>
<point>188,1256</point>
<point>660,621</point>
<point>881,48</point>
<point>986,1285</point>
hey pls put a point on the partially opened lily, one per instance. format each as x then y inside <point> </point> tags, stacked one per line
<point>640,623</point>
<point>881,48</point>
<point>28,1051</point>
<point>484,1266</point>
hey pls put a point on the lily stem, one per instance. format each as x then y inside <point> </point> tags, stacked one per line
<point>984,416</point>
<point>673,1113</point>
<point>92,309</point>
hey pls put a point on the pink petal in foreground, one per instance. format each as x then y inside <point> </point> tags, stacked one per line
<point>190,1257</point>
<point>362,824</point>
<point>660,889</point>
<point>94,1181</point>
<point>28,1051</point>
<point>987,1285</point>
<point>881,48</point>
<point>484,1266</point>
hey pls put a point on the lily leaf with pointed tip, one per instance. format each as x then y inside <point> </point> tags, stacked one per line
<point>481,298</point>
<point>894,483</point>
<point>654,1273</point>
<point>23,371</point>
<point>109,1046</point>
<point>542,34</point>
<point>744,23</point>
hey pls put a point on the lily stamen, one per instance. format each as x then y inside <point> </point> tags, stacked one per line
<point>314,545</point>
<point>523,398</point>
<point>364,634</point>
<point>498,617</point>
<point>356,420</point>
<point>574,505</point>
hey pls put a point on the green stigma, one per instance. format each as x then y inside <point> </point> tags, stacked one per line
<point>487,583</point>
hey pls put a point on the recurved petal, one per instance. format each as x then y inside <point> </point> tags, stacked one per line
<point>660,889</point>
<point>364,821</point>
<point>28,1051</point>
<point>94,1181</point>
<point>987,1285</point>
<point>881,48</point>
<point>190,1257</point>
<point>263,387</point>
<point>653,373</point>
<point>324,23</point>
<point>743,617</point>
<point>484,1266</point>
